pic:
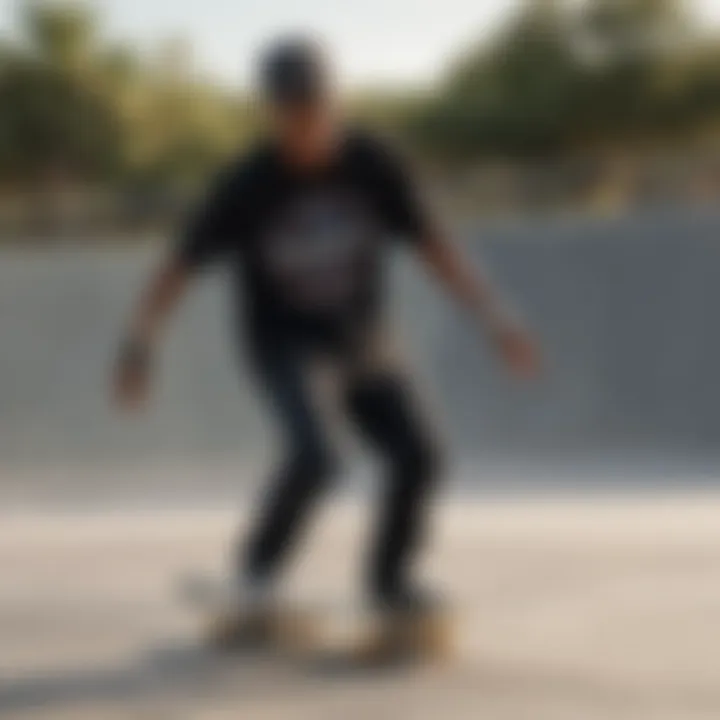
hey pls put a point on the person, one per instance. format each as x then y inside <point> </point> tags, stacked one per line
<point>305,219</point>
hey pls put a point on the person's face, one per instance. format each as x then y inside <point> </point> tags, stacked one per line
<point>306,131</point>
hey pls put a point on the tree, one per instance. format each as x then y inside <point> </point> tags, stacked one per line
<point>53,125</point>
<point>62,35</point>
<point>511,97</point>
<point>558,80</point>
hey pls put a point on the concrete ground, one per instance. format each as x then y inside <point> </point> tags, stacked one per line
<point>579,609</point>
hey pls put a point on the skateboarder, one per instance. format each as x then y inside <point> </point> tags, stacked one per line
<point>305,220</point>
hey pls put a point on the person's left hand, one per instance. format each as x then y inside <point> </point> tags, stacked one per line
<point>518,351</point>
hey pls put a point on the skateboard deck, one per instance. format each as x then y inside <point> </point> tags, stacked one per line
<point>334,636</point>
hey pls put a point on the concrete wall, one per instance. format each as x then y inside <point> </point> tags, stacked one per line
<point>626,310</point>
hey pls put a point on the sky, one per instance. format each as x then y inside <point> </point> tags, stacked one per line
<point>376,41</point>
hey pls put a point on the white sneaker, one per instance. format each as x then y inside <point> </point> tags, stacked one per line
<point>230,596</point>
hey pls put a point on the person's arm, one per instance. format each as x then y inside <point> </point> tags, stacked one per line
<point>162,294</point>
<point>407,215</point>
<point>473,290</point>
<point>205,239</point>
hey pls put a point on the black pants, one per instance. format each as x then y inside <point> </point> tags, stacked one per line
<point>379,402</point>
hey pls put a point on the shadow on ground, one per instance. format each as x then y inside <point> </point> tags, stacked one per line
<point>193,676</point>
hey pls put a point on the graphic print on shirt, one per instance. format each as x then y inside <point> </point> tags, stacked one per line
<point>317,251</point>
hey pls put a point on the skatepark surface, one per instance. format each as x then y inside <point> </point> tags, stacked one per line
<point>582,608</point>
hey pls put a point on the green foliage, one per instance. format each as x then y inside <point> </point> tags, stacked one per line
<point>63,36</point>
<point>513,96</point>
<point>74,107</point>
<point>559,80</point>
<point>53,125</point>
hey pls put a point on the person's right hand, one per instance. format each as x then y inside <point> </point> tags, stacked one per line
<point>132,376</point>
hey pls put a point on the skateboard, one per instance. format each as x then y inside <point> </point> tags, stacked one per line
<point>393,639</point>
<point>331,636</point>
<point>222,627</point>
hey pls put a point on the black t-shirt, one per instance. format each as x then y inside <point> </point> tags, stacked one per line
<point>307,248</point>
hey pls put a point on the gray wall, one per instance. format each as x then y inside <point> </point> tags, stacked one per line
<point>625,308</point>
<point>627,312</point>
